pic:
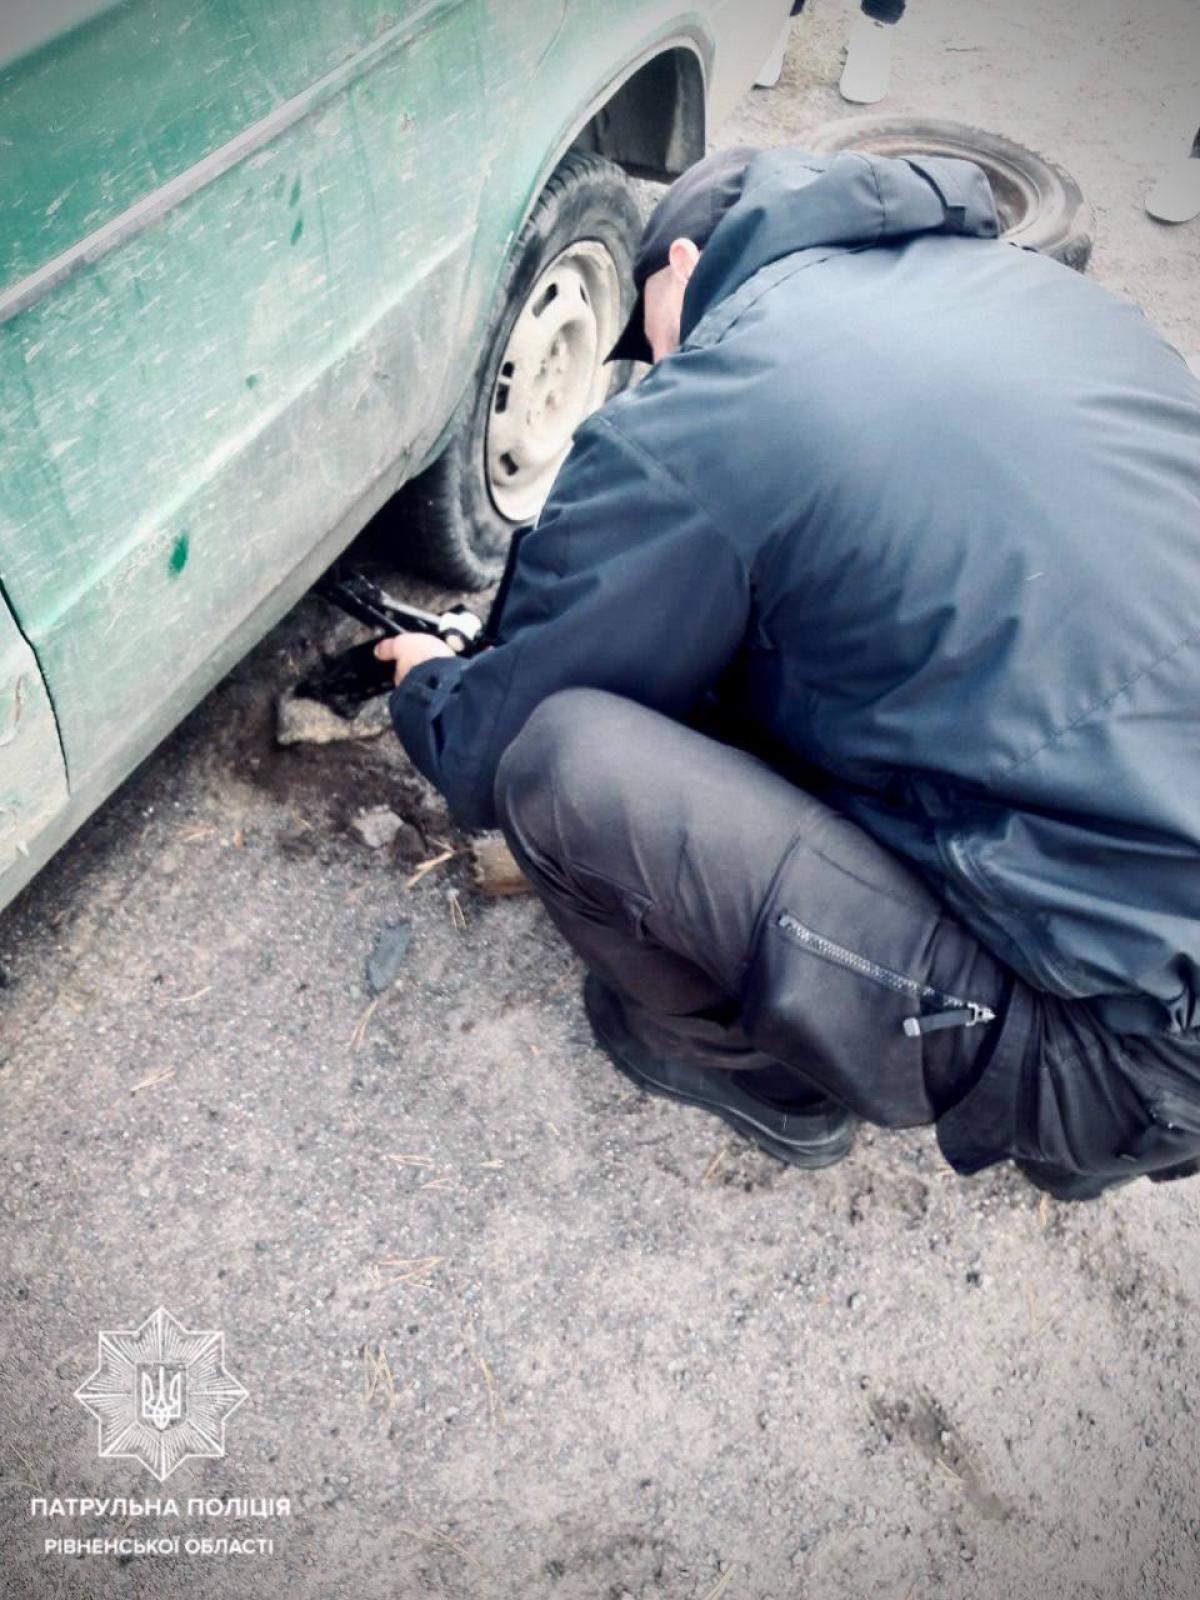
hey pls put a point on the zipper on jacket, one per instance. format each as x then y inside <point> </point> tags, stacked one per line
<point>951,1011</point>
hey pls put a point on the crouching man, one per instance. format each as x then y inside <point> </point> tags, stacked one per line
<point>845,709</point>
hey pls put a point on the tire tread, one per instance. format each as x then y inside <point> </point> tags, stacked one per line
<point>430,522</point>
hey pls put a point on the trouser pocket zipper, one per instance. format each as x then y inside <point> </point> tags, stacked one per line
<point>945,1010</point>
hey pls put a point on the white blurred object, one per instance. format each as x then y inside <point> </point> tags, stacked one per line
<point>768,76</point>
<point>1176,195</point>
<point>867,75</point>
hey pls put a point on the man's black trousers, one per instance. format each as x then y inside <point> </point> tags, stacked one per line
<point>743,922</point>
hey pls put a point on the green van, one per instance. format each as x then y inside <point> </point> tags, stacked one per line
<point>268,269</point>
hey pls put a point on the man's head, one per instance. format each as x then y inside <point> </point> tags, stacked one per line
<point>680,225</point>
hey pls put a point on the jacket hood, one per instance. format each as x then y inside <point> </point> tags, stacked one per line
<point>794,201</point>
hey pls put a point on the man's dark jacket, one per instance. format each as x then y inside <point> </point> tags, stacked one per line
<point>924,510</point>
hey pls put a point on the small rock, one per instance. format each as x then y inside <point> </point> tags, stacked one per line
<point>376,826</point>
<point>857,1300</point>
<point>388,956</point>
<point>301,721</point>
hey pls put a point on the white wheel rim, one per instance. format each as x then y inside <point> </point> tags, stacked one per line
<point>551,376</point>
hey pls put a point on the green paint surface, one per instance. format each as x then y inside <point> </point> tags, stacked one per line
<point>131,424</point>
<point>129,429</point>
<point>120,105</point>
<point>33,782</point>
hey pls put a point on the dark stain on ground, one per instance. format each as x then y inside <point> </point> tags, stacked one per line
<point>326,786</point>
<point>323,787</point>
<point>890,1195</point>
<point>626,1553</point>
<point>920,1421</point>
<point>1133,1285</point>
<point>741,1166</point>
<point>734,1163</point>
<point>179,555</point>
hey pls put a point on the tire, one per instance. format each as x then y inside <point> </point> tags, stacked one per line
<point>1041,207</point>
<point>563,298</point>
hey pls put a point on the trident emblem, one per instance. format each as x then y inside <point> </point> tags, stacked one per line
<point>166,1406</point>
<point>161,1393</point>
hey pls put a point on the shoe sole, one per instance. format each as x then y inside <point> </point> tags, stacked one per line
<point>810,1157</point>
<point>1071,1190</point>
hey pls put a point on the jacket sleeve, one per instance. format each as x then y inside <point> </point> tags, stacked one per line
<point>624,584</point>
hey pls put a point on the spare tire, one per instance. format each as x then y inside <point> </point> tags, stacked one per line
<point>1041,207</point>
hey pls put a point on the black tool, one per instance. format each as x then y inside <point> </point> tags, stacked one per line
<point>459,628</point>
<point>343,682</point>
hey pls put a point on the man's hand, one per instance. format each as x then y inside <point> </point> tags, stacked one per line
<point>407,649</point>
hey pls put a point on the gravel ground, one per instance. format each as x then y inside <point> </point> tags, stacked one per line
<point>508,1329</point>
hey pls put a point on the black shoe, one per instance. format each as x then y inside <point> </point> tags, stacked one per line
<point>815,1136</point>
<point>1078,1186</point>
<point>1181,1169</point>
<point>1064,1185</point>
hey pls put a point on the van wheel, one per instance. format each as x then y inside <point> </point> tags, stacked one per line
<point>562,302</point>
<point>1040,206</point>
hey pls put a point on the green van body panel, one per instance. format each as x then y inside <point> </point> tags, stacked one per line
<point>33,779</point>
<point>247,252</point>
<point>118,107</point>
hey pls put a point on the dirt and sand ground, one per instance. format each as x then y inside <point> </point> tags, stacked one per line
<point>509,1330</point>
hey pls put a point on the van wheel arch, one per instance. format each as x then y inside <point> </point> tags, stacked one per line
<point>653,123</point>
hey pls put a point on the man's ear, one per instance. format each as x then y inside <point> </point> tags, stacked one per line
<point>682,258</point>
